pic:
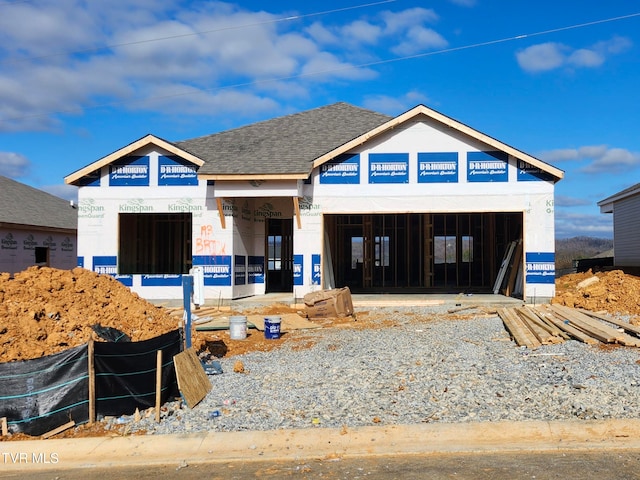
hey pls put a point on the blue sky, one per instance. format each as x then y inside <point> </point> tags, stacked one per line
<point>556,79</point>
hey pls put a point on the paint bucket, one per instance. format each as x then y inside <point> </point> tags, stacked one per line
<point>238,327</point>
<point>271,327</point>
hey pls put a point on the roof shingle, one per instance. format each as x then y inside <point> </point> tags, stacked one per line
<point>25,205</point>
<point>282,145</point>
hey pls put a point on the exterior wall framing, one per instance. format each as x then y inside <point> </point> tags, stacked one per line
<point>419,167</point>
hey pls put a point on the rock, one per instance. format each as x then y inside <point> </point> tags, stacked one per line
<point>587,282</point>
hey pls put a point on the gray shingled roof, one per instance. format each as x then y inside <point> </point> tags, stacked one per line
<point>25,205</point>
<point>283,145</point>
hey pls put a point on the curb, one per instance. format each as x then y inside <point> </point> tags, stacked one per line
<point>280,445</point>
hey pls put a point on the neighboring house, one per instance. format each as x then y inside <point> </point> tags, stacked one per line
<point>36,228</point>
<point>625,207</point>
<point>330,197</point>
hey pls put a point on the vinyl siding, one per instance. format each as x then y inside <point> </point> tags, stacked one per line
<point>626,232</point>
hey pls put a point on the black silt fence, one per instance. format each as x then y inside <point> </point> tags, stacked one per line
<point>126,374</point>
<point>39,395</point>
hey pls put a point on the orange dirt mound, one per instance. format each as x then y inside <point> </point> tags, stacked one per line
<point>45,310</point>
<point>613,291</point>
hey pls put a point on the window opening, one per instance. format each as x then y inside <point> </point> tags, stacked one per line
<point>155,243</point>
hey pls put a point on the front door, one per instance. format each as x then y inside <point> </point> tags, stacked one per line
<point>279,255</point>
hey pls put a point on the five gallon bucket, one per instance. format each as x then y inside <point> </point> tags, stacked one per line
<point>272,327</point>
<point>238,327</point>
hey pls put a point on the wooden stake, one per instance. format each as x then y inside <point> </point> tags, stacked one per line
<point>92,382</point>
<point>5,428</point>
<point>158,383</point>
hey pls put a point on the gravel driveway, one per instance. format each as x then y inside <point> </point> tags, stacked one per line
<point>426,367</point>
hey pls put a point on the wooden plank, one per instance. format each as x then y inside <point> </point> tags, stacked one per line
<point>5,426</point>
<point>503,267</point>
<point>296,208</point>
<point>620,323</point>
<point>533,316</point>
<point>542,334</point>
<point>545,317</point>
<point>158,384</point>
<point>61,428</point>
<point>223,220</point>
<point>518,329</point>
<point>515,266</point>
<point>193,382</point>
<point>92,382</point>
<point>588,325</point>
<point>571,330</point>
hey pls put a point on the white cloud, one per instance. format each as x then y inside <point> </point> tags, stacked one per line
<point>585,58</point>
<point>362,32</point>
<point>564,201</point>
<point>571,224</point>
<point>598,158</point>
<point>398,22</point>
<point>418,40</point>
<point>14,165</point>
<point>394,105</point>
<point>67,192</point>
<point>542,57</point>
<point>614,160</point>
<point>88,54</point>
<point>326,65</point>
<point>464,3</point>
<point>550,56</point>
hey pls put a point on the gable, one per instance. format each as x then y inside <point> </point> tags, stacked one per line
<point>126,156</point>
<point>453,128</point>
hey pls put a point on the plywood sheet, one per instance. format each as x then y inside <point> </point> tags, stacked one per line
<point>193,382</point>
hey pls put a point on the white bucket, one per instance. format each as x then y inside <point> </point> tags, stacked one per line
<point>238,327</point>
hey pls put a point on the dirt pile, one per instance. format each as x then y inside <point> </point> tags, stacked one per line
<point>45,310</point>
<point>614,292</point>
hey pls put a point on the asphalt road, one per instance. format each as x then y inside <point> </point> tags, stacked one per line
<point>610,464</point>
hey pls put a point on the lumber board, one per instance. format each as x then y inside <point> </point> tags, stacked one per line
<point>5,426</point>
<point>588,325</point>
<point>543,316</point>
<point>516,263</point>
<point>553,333</point>
<point>193,382</point>
<point>61,428</point>
<point>518,329</point>
<point>571,330</point>
<point>541,334</point>
<point>620,323</point>
<point>503,267</point>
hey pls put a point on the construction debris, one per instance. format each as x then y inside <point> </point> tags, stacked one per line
<point>532,327</point>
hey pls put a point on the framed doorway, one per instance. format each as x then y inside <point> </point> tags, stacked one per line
<point>279,258</point>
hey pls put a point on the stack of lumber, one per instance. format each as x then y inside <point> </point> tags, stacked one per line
<point>548,324</point>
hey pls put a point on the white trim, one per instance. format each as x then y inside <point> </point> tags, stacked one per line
<point>132,147</point>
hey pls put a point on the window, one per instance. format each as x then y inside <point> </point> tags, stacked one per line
<point>444,249</point>
<point>467,248</point>
<point>154,243</point>
<point>274,247</point>
<point>381,249</point>
<point>357,256</point>
<point>42,255</point>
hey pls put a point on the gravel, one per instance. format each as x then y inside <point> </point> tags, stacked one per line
<point>425,368</point>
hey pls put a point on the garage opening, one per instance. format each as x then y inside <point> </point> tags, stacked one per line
<point>154,243</point>
<point>419,252</point>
